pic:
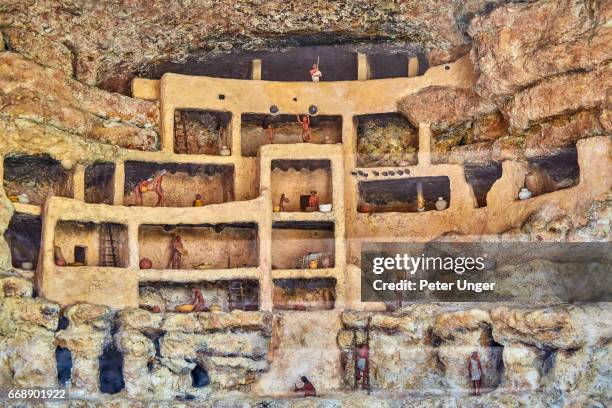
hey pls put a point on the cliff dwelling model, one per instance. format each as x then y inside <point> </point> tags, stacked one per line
<point>199,203</point>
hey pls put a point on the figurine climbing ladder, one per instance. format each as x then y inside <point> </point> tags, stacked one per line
<point>109,252</point>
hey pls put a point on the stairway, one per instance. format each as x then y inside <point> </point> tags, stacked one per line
<point>108,256</point>
<point>180,135</point>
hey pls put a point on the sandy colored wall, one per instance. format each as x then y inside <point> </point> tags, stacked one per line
<point>288,245</point>
<point>70,234</point>
<point>294,183</point>
<point>204,246</point>
<point>180,190</point>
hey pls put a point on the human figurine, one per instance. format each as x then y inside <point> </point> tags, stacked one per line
<point>151,184</point>
<point>315,73</point>
<point>475,371</point>
<point>308,389</point>
<point>305,122</point>
<point>178,250</point>
<point>199,305</point>
<point>268,128</point>
<point>281,203</point>
<point>198,201</point>
<point>363,355</point>
<point>313,200</point>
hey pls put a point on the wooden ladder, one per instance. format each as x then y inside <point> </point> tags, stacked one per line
<point>236,294</point>
<point>180,135</point>
<point>109,252</point>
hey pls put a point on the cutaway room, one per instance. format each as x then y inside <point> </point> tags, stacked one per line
<point>100,183</point>
<point>482,177</point>
<point>263,129</point>
<point>90,244</point>
<point>203,296</point>
<point>415,194</point>
<point>23,236</point>
<point>386,140</point>
<point>177,184</point>
<point>553,172</point>
<point>198,246</point>
<point>304,294</point>
<point>202,132</point>
<point>301,185</point>
<point>303,245</point>
<point>31,179</point>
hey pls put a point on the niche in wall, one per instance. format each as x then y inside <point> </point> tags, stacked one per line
<point>205,246</point>
<point>261,129</point>
<point>400,195</point>
<point>553,172</point>
<point>302,245</point>
<point>201,131</point>
<point>90,244</point>
<point>180,183</point>
<point>386,140</point>
<point>228,295</point>
<point>304,294</point>
<point>99,183</point>
<point>111,370</point>
<point>38,177</point>
<point>23,238</point>
<point>481,177</point>
<point>297,178</point>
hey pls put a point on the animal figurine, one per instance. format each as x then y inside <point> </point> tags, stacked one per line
<point>151,184</point>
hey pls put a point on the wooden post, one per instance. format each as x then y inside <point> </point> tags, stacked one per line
<point>78,182</point>
<point>256,69</point>
<point>413,67</point>
<point>118,183</point>
<point>363,69</point>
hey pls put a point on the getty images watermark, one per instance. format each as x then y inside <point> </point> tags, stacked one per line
<point>486,271</point>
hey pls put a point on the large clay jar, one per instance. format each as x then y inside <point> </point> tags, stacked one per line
<point>145,263</point>
<point>313,264</point>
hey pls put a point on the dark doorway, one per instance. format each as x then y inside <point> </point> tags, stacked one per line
<point>111,370</point>
<point>199,377</point>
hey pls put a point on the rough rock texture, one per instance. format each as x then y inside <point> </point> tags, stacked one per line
<point>109,41</point>
<point>521,44</point>
<point>161,350</point>
<point>426,347</point>
<point>45,98</point>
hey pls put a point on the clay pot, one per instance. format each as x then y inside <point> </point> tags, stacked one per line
<point>441,204</point>
<point>145,263</point>
<point>225,151</point>
<point>276,208</point>
<point>313,264</point>
<point>524,194</point>
<point>365,208</point>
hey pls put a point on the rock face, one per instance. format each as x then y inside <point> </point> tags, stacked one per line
<point>45,97</point>
<point>427,347</point>
<point>521,44</point>
<point>102,51</point>
<point>163,351</point>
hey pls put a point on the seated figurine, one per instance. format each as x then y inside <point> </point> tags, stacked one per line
<point>308,389</point>
<point>198,201</point>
